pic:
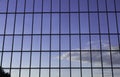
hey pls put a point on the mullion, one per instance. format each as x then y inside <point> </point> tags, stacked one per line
<point>89,25</point>
<point>31,40</point>
<point>109,39</point>
<point>63,51</point>
<point>50,38</point>
<point>60,39</point>
<point>41,40</point>
<point>70,40</point>
<point>22,38</point>
<point>100,40</point>
<point>60,34</point>
<point>3,45</point>
<point>80,37</point>
<point>13,36</point>
<point>60,12</point>
<point>117,24</point>
<point>64,68</point>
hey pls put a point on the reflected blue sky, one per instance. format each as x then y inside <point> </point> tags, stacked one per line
<point>56,23</point>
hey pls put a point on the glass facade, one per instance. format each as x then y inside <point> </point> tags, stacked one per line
<point>60,38</point>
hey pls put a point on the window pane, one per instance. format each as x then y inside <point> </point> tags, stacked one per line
<point>74,23</point>
<point>107,72</point>
<point>75,59</point>
<point>14,72</point>
<point>94,23</point>
<point>29,5</point>
<point>1,42</point>
<point>86,62</point>
<point>8,43</point>
<point>85,44</point>
<point>103,23</point>
<point>38,5</point>
<point>64,5</point>
<point>19,24</point>
<point>45,42</point>
<point>110,5</point>
<point>114,42</point>
<point>73,5</point>
<point>35,59</point>
<point>84,23</point>
<point>88,71</point>
<point>37,24</point>
<point>75,42</point>
<point>55,23</point>
<point>101,4</point>
<point>96,59</point>
<point>46,24</point>
<point>55,43</point>
<point>6,60</point>
<point>64,23</point>
<point>55,59</point>
<point>83,5</point>
<point>10,24</point>
<point>16,59</point>
<point>25,59</point>
<point>97,73</point>
<point>105,42</point>
<point>36,43</point>
<point>55,5</point>
<point>118,19</point>
<point>117,5</point>
<point>65,59</point>
<point>92,5</point>
<point>44,72</point>
<point>17,42</point>
<point>95,42</point>
<point>65,42</point>
<point>3,5</point>
<point>46,5</point>
<point>20,5</point>
<point>28,24</point>
<point>76,73</point>
<point>12,6</point>
<point>54,72</point>
<point>45,59</point>
<point>34,72</point>
<point>65,72</point>
<point>2,23</point>
<point>24,72</point>
<point>26,43</point>
<point>112,23</point>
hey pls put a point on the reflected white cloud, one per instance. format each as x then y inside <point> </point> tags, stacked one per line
<point>106,56</point>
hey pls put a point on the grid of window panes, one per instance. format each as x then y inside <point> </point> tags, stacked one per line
<point>60,38</point>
